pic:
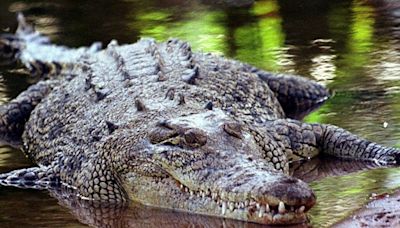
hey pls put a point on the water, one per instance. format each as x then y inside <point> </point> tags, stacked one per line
<point>352,47</point>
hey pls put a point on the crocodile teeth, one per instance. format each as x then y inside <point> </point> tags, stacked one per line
<point>223,195</point>
<point>231,206</point>
<point>223,207</point>
<point>281,208</point>
<point>261,212</point>
<point>262,209</point>
<point>213,196</point>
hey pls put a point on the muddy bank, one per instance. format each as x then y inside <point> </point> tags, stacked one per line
<point>382,211</point>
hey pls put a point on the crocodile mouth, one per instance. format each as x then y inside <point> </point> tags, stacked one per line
<point>249,209</point>
<point>239,188</point>
<point>169,193</point>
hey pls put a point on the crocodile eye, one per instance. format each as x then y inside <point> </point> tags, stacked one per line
<point>162,133</point>
<point>234,129</point>
<point>195,137</point>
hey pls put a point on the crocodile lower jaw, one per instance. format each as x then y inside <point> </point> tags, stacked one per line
<point>169,193</point>
<point>263,213</point>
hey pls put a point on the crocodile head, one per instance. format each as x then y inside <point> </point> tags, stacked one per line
<point>208,164</point>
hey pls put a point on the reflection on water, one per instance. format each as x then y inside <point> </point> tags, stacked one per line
<point>339,196</point>
<point>352,46</point>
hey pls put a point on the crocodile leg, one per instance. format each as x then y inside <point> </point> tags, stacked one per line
<point>39,56</point>
<point>303,141</point>
<point>297,96</point>
<point>14,115</point>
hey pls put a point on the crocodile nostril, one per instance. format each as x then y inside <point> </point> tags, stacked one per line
<point>234,129</point>
<point>195,137</point>
<point>290,181</point>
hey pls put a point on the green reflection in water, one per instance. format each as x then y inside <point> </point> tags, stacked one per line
<point>260,43</point>
<point>350,63</point>
<point>339,196</point>
<point>202,29</point>
<point>265,7</point>
<point>314,117</point>
<point>154,16</point>
<point>362,31</point>
<point>153,26</point>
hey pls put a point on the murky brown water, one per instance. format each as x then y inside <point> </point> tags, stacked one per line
<point>353,47</point>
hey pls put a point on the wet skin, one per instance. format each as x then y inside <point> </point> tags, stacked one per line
<point>158,124</point>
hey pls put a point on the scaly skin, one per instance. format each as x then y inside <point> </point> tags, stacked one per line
<point>158,124</point>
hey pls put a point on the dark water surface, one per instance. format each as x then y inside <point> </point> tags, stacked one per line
<point>352,47</point>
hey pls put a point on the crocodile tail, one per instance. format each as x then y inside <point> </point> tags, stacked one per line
<point>9,46</point>
<point>34,178</point>
<point>12,44</point>
<point>24,28</point>
<point>341,143</point>
<point>35,50</point>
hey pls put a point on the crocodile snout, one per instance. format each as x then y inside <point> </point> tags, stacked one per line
<point>292,192</point>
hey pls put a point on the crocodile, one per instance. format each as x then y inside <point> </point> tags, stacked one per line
<point>161,125</point>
